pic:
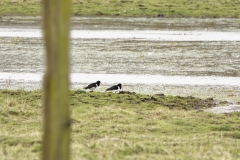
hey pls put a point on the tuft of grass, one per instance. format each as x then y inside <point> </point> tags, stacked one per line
<point>126,8</point>
<point>121,126</point>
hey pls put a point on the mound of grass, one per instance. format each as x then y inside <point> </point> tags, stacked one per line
<point>122,126</point>
<point>154,8</point>
<point>130,98</point>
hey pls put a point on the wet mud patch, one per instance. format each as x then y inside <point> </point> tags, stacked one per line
<point>156,57</point>
<point>127,57</point>
<point>128,23</point>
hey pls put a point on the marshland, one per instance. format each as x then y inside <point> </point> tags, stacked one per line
<point>176,59</point>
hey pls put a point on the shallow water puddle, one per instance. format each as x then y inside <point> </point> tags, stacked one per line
<point>131,79</point>
<point>131,34</point>
<point>225,109</point>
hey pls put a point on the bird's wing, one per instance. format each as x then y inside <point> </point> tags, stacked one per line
<point>115,87</point>
<point>90,86</point>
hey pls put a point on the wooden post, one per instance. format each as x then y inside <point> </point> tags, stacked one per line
<point>56,25</point>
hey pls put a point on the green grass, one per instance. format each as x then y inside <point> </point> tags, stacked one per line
<point>121,126</point>
<point>153,8</point>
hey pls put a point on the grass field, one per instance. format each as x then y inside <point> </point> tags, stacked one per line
<point>122,126</point>
<point>153,8</point>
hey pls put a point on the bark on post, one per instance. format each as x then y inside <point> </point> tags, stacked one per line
<point>56,25</point>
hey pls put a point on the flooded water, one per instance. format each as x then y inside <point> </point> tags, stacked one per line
<point>148,35</point>
<point>225,109</point>
<point>131,79</point>
<point>178,56</point>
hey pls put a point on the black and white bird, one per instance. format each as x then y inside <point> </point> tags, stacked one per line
<point>117,87</point>
<point>93,86</point>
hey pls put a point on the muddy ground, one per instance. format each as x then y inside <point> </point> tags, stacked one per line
<point>128,57</point>
<point>129,23</point>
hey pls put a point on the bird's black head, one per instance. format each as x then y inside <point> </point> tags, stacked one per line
<point>120,85</point>
<point>98,83</point>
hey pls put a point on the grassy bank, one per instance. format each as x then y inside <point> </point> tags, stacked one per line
<point>122,126</point>
<point>154,8</point>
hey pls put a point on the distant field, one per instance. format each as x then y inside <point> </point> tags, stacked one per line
<point>153,8</point>
<point>122,126</point>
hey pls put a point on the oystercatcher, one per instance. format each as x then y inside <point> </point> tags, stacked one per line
<point>115,87</point>
<point>93,86</point>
